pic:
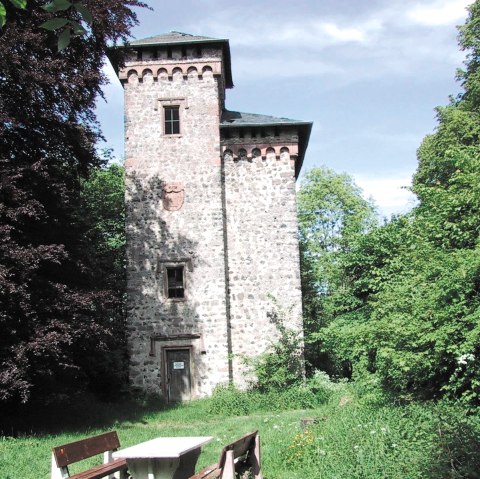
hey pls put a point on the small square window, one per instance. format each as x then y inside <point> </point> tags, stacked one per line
<point>172,120</point>
<point>175,282</point>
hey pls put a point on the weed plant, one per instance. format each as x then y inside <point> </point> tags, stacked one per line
<point>228,400</point>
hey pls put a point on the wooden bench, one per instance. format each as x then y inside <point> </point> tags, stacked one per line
<point>63,456</point>
<point>237,457</point>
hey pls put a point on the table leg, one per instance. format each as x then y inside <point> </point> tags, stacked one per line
<point>186,467</point>
<point>153,468</point>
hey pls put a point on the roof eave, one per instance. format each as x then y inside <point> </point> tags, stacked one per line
<point>180,42</point>
<point>303,139</point>
<point>271,123</point>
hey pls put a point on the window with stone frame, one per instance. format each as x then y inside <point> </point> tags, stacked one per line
<point>171,115</point>
<point>175,281</point>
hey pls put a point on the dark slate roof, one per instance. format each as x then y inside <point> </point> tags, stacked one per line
<point>175,37</point>
<point>237,118</point>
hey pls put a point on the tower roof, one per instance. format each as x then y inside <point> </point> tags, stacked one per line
<point>172,37</point>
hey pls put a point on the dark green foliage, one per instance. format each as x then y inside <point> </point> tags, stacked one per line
<point>410,314</point>
<point>103,207</point>
<point>332,216</point>
<point>54,315</point>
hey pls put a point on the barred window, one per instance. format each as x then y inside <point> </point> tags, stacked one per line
<point>175,282</point>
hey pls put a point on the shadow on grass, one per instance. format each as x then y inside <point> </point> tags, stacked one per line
<point>78,414</point>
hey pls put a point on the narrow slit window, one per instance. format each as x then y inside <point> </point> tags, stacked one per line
<point>175,282</point>
<point>172,120</point>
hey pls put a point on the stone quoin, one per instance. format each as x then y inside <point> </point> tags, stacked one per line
<point>211,224</point>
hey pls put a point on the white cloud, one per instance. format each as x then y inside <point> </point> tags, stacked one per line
<point>313,33</point>
<point>439,13</point>
<point>389,193</point>
<point>341,45</point>
<point>342,34</point>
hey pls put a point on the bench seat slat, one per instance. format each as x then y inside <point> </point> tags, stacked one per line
<point>208,472</point>
<point>102,470</point>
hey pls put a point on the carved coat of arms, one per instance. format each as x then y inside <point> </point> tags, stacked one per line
<point>173,196</point>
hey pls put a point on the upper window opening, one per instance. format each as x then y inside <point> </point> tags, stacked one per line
<point>172,120</point>
<point>175,282</point>
<point>184,52</point>
<point>198,52</point>
<point>139,54</point>
<point>169,52</point>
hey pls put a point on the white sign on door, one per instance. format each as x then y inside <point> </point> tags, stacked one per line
<point>178,365</point>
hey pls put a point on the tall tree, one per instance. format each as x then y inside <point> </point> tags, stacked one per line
<point>53,317</point>
<point>417,279</point>
<point>332,214</point>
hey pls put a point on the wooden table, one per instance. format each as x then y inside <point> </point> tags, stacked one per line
<point>163,457</point>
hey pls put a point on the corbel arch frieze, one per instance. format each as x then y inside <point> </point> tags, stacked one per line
<point>239,152</point>
<point>162,70</point>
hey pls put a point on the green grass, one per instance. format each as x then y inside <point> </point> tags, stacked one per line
<point>350,439</point>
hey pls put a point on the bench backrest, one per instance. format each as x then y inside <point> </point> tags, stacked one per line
<point>239,447</point>
<point>85,448</point>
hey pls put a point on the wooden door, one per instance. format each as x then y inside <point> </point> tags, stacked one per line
<point>178,375</point>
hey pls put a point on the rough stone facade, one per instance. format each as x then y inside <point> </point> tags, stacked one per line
<point>215,199</point>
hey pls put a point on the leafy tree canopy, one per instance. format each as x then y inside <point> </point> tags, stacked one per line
<point>54,318</point>
<point>410,314</point>
<point>332,214</point>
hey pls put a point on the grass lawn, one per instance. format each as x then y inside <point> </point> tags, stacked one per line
<point>349,440</point>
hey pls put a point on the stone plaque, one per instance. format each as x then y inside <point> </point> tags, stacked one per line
<point>173,196</point>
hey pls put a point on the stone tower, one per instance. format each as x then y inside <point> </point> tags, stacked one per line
<point>211,218</point>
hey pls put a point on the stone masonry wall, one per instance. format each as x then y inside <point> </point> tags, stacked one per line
<point>263,250</point>
<point>193,234</point>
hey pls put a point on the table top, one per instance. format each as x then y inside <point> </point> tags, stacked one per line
<point>162,447</point>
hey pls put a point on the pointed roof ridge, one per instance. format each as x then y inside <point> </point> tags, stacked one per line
<point>174,37</point>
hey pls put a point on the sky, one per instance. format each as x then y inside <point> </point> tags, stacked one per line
<point>367,73</point>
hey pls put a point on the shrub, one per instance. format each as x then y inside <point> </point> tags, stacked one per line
<point>282,366</point>
<point>229,401</point>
